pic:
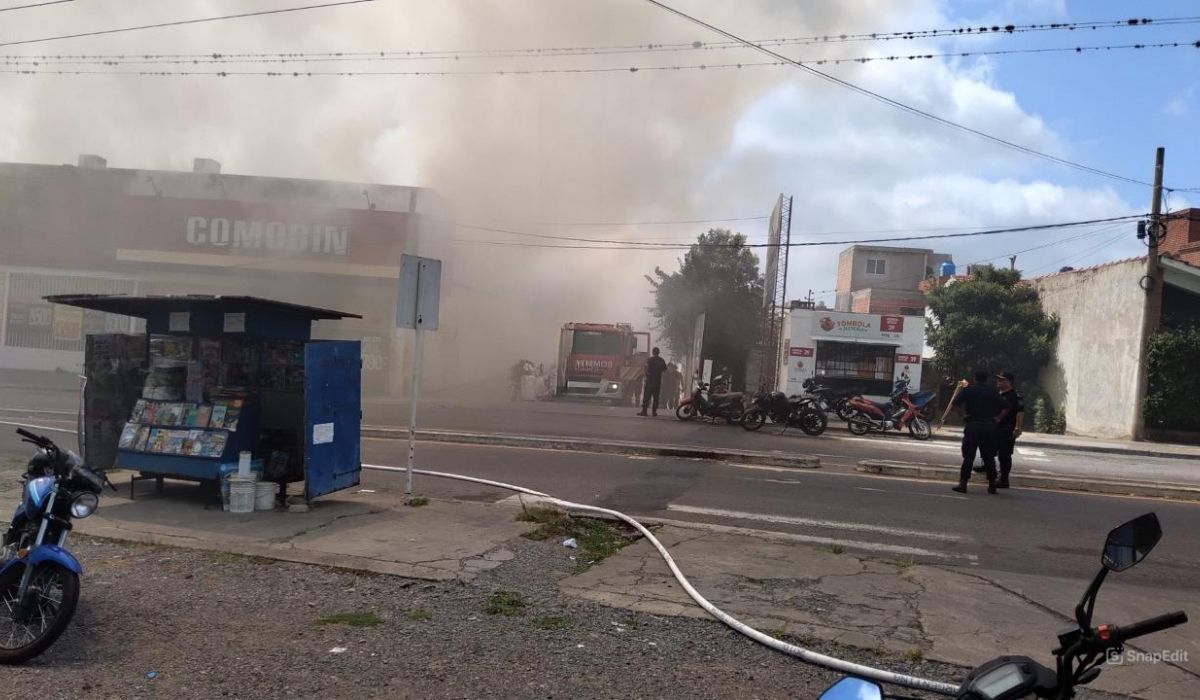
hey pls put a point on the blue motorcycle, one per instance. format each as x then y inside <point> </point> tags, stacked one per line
<point>39,578</point>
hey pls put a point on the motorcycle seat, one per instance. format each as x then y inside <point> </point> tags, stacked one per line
<point>734,395</point>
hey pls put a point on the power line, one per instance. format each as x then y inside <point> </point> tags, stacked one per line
<point>634,245</point>
<point>382,58</point>
<point>36,4</point>
<point>900,105</point>
<point>178,23</point>
<point>538,52</point>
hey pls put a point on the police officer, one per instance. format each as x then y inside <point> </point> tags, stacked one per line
<point>981,404</point>
<point>1008,423</point>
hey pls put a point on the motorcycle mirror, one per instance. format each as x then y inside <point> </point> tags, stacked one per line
<point>853,689</point>
<point>1130,543</point>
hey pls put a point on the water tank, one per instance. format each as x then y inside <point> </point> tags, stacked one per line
<point>946,269</point>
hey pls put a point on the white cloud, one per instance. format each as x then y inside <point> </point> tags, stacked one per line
<point>1180,104</point>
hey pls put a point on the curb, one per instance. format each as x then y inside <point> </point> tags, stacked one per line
<point>1115,487</point>
<point>578,444</point>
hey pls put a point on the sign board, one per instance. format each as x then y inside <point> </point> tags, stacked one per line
<point>68,323</point>
<point>774,236</point>
<point>180,322</point>
<point>235,323</point>
<point>832,324</point>
<point>420,293</point>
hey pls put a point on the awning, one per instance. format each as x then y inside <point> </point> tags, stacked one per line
<point>145,306</point>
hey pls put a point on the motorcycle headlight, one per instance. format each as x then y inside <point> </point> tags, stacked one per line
<point>84,505</point>
<point>613,386</point>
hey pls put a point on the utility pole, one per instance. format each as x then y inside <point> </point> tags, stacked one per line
<point>1152,301</point>
<point>1012,262</point>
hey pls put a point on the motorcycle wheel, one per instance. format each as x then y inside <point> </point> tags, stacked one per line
<point>57,596</point>
<point>859,425</point>
<point>918,427</point>
<point>734,415</point>
<point>844,410</point>
<point>685,411</point>
<point>753,419</point>
<point>812,421</point>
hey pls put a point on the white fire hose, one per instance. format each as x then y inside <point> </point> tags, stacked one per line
<point>799,652</point>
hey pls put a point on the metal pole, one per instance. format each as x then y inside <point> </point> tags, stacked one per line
<point>412,412</point>
<point>1152,292</point>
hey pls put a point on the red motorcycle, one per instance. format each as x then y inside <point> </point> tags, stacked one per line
<point>904,411</point>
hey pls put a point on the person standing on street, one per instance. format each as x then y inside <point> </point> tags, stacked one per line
<point>1008,423</point>
<point>981,404</point>
<point>655,367</point>
<point>671,385</point>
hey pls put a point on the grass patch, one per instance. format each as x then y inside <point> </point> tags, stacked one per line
<point>367,619</point>
<point>507,603</point>
<point>417,501</point>
<point>597,539</point>
<point>552,623</point>
<point>420,615</point>
<point>837,548</point>
<point>914,656</point>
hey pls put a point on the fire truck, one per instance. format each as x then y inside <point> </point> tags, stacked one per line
<point>602,361</point>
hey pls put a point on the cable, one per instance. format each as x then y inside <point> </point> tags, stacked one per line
<point>644,245</point>
<point>384,57</point>
<point>900,105</point>
<point>178,23</point>
<point>655,47</point>
<point>797,651</point>
<point>36,4</point>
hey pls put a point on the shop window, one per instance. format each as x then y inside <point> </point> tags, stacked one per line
<point>866,367</point>
<point>876,267</point>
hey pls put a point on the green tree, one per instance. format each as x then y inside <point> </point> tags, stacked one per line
<point>992,322</point>
<point>719,277</point>
<point>1172,357</point>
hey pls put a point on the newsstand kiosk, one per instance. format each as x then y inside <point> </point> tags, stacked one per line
<point>228,374</point>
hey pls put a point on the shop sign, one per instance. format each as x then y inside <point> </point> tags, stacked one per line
<point>68,323</point>
<point>829,324</point>
<point>800,352</point>
<point>903,359</point>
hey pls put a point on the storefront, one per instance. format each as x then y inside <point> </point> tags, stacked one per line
<point>98,230</point>
<point>868,352</point>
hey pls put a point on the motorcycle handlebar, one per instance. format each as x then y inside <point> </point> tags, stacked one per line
<point>1119,635</point>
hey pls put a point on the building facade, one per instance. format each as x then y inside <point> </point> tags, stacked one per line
<point>1094,376</point>
<point>885,280</point>
<point>88,228</point>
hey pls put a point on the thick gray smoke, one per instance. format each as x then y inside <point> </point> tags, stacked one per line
<point>507,151</point>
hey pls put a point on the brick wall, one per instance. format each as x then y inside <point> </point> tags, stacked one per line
<point>1183,236</point>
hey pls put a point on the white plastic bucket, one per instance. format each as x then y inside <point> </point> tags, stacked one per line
<point>265,495</point>
<point>242,493</point>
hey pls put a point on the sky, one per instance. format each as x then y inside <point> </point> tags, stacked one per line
<point>545,153</point>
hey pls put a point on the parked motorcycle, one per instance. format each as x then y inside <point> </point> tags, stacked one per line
<point>1082,650</point>
<point>797,411</point>
<point>39,577</point>
<point>712,405</point>
<point>830,400</point>
<point>904,411</point>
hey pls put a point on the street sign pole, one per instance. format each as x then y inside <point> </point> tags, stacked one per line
<point>412,413</point>
<point>417,308</point>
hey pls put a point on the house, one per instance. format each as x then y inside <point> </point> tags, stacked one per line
<point>885,280</point>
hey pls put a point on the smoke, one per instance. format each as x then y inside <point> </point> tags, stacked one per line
<point>506,151</point>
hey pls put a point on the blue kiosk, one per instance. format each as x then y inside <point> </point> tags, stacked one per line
<point>229,374</point>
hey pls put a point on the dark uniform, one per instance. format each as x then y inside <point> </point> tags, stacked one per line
<point>655,367</point>
<point>1006,429</point>
<point>981,403</point>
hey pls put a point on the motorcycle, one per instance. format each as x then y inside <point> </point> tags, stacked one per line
<point>712,405</point>
<point>1081,651</point>
<point>831,401</point>
<point>799,412</point>
<point>904,411</point>
<point>39,577</point>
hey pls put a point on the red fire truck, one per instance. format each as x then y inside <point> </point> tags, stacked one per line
<point>602,361</point>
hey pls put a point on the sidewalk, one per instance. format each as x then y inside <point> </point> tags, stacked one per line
<point>1086,444</point>
<point>872,609</point>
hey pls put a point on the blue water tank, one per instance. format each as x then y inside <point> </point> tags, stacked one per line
<point>947,269</point>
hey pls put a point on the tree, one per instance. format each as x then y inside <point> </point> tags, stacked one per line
<point>990,322</point>
<point>1172,356</point>
<point>718,276</point>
